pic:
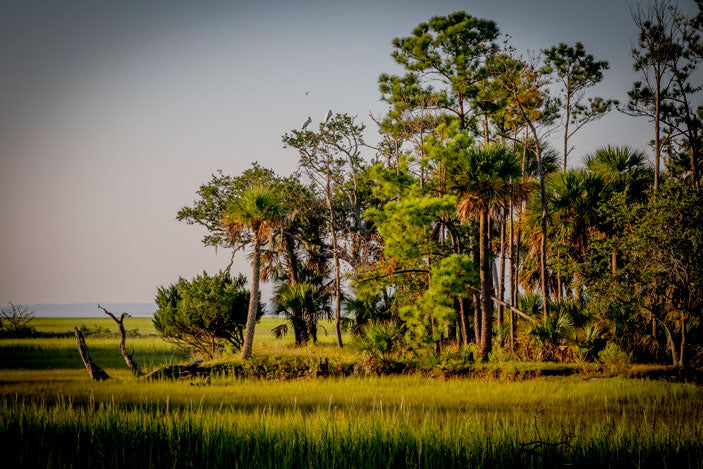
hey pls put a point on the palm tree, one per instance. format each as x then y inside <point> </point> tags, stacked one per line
<point>483,178</point>
<point>252,218</point>
<point>623,168</point>
<point>575,199</point>
<point>298,302</point>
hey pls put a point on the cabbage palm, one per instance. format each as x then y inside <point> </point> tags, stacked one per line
<point>574,199</point>
<point>252,217</point>
<point>623,168</point>
<point>483,178</point>
<point>303,303</point>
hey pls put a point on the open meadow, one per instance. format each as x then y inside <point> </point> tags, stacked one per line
<point>53,415</point>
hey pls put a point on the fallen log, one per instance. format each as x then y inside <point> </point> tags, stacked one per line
<point>128,357</point>
<point>95,372</point>
<point>179,371</point>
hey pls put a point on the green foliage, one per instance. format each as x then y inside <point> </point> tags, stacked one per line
<point>203,312</point>
<point>379,339</point>
<point>448,283</point>
<point>406,225</point>
<point>217,195</point>
<point>577,71</point>
<point>613,357</point>
<point>253,214</point>
<point>483,177</point>
<point>303,303</point>
<point>452,49</point>
<point>367,307</point>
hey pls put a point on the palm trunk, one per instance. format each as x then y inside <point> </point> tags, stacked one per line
<point>513,276</point>
<point>501,274</point>
<point>485,276</point>
<point>475,258</point>
<point>253,302</point>
<point>464,325</point>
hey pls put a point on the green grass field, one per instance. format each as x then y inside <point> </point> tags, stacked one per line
<point>53,415</point>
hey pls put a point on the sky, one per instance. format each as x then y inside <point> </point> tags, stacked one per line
<point>113,113</point>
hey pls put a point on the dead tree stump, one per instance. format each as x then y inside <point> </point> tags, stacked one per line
<point>128,357</point>
<point>95,372</point>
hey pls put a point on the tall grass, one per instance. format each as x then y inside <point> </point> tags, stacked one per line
<point>52,415</point>
<point>360,423</point>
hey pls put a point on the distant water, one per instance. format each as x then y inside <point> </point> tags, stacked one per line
<point>90,310</point>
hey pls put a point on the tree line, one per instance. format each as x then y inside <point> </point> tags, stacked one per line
<point>463,227</point>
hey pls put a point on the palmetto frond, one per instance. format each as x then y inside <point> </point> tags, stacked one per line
<point>257,210</point>
<point>483,178</point>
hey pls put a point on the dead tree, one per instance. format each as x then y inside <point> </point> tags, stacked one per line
<point>168,372</point>
<point>95,372</point>
<point>128,357</point>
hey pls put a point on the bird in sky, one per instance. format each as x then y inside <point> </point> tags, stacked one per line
<point>306,123</point>
<point>306,93</point>
<point>328,115</point>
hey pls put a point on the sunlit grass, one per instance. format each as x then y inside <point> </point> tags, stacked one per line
<point>150,350</point>
<point>52,413</point>
<point>357,421</point>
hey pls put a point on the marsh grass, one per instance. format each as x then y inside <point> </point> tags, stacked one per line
<point>52,415</point>
<point>359,422</point>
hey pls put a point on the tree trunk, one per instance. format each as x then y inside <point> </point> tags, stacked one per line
<point>95,372</point>
<point>543,224</point>
<point>513,277</point>
<point>566,129</point>
<point>337,274</point>
<point>501,274</point>
<point>451,327</point>
<point>475,258</point>
<point>128,357</point>
<point>337,291</point>
<point>253,302</point>
<point>464,324</point>
<point>485,276</point>
<point>683,343</point>
<point>657,138</point>
<point>292,259</point>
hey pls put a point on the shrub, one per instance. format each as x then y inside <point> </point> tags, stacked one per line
<point>613,356</point>
<point>203,313</point>
<point>379,339</point>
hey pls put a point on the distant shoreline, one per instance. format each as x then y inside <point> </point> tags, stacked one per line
<point>90,310</point>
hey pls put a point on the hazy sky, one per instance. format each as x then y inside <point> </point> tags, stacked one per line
<point>113,113</point>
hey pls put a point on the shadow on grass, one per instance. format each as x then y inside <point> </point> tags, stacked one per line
<point>36,357</point>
